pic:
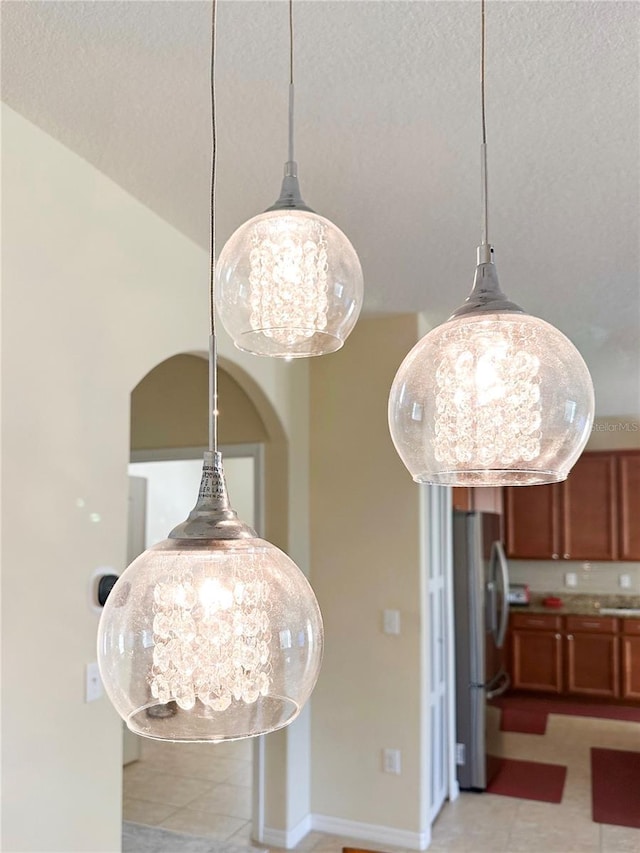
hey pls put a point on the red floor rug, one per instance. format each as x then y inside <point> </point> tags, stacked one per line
<point>569,707</point>
<point>523,721</point>
<point>529,780</point>
<point>615,787</point>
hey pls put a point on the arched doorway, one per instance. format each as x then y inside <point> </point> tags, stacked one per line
<point>213,790</point>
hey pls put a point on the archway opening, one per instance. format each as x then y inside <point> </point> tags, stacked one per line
<point>210,790</point>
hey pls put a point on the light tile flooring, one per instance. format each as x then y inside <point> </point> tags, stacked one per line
<point>488,822</point>
<point>189,789</point>
<point>195,788</point>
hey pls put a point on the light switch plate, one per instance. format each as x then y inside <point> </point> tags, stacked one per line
<point>571,579</point>
<point>391,621</point>
<point>625,581</point>
<point>392,761</point>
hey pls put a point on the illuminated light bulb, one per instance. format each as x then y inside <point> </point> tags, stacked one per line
<point>288,277</point>
<point>492,397</point>
<point>289,285</point>
<point>288,282</point>
<point>190,641</point>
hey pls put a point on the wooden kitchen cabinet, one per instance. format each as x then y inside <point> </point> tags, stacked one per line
<point>592,657</point>
<point>629,505</point>
<point>461,498</point>
<point>631,659</point>
<point>536,653</point>
<point>593,515</point>
<point>486,499</point>
<point>589,510</point>
<point>532,521</point>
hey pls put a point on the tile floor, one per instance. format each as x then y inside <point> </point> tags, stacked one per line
<point>187,789</point>
<point>204,790</point>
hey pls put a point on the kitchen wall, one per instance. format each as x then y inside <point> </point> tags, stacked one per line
<point>549,576</point>
<point>611,433</point>
<point>92,281</point>
<point>365,535</point>
<point>183,422</point>
<point>615,433</point>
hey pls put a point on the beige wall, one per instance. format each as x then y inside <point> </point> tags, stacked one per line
<point>364,557</point>
<point>169,407</point>
<point>89,307</point>
<point>616,433</point>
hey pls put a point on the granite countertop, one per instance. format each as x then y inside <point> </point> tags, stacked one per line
<point>581,604</point>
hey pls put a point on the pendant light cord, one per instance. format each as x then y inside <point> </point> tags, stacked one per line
<point>213,350</point>
<point>483,147</point>
<point>291,157</point>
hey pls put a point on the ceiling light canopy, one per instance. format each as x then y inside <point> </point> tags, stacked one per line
<point>494,396</point>
<point>289,282</point>
<point>213,634</point>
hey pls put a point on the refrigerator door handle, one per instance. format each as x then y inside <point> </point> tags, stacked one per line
<point>504,573</point>
<point>492,609</point>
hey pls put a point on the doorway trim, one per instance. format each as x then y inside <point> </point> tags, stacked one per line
<point>437,655</point>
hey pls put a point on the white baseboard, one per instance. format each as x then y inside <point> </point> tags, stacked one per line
<point>371,832</point>
<point>287,838</point>
<point>385,835</point>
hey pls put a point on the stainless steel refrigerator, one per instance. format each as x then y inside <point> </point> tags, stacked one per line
<point>481,608</point>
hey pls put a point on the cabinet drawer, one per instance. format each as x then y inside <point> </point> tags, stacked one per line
<point>631,626</point>
<point>543,621</point>
<point>592,624</point>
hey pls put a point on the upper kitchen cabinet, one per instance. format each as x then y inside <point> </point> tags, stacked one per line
<point>531,522</point>
<point>593,515</point>
<point>588,525</point>
<point>486,499</point>
<point>629,504</point>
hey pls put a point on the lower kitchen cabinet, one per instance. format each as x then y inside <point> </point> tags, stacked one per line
<point>595,657</point>
<point>631,659</point>
<point>536,653</point>
<point>592,656</point>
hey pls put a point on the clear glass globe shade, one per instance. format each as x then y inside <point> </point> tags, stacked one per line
<point>289,285</point>
<point>491,399</point>
<point>205,640</point>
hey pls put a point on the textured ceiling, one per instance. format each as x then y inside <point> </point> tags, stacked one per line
<point>387,138</point>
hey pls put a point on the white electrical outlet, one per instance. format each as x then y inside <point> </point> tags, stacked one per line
<point>391,621</point>
<point>93,683</point>
<point>571,579</point>
<point>460,754</point>
<point>625,581</point>
<point>391,761</point>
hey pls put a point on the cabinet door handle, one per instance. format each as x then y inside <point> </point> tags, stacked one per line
<point>555,557</point>
<point>567,556</point>
<point>558,636</point>
<point>569,636</point>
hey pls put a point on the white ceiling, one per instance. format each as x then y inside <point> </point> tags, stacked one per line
<point>388,120</point>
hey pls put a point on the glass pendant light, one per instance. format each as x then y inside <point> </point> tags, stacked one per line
<point>213,634</point>
<point>289,283</point>
<point>493,396</point>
